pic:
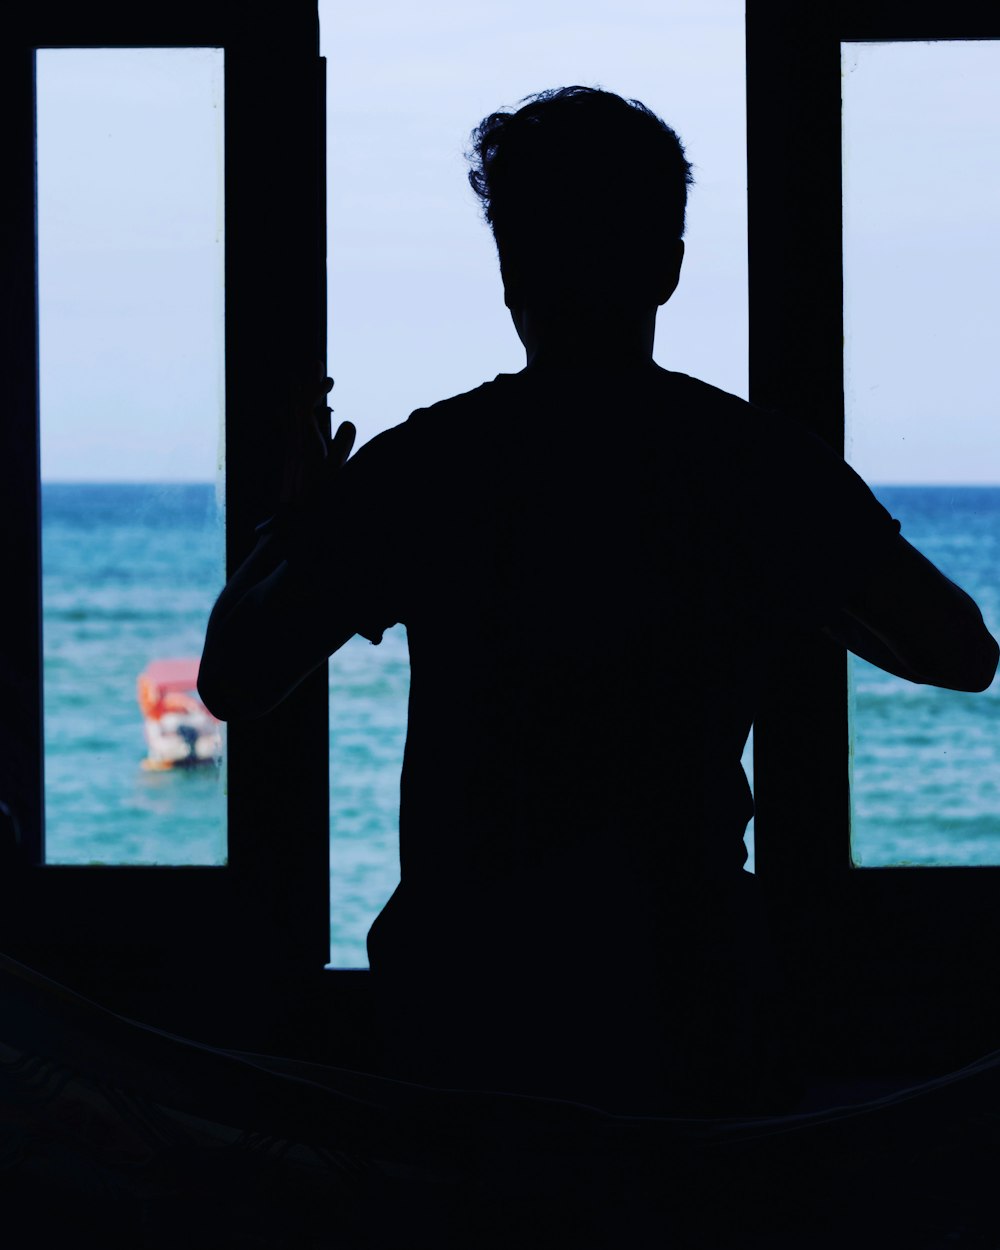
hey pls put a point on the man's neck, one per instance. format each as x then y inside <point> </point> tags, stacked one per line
<point>587,356</point>
<point>618,340</point>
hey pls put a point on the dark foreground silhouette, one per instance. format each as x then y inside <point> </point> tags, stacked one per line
<point>597,562</point>
<point>117,1134</point>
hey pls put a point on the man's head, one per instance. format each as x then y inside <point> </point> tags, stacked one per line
<point>586,195</point>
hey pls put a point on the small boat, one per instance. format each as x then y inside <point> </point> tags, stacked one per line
<point>180,731</point>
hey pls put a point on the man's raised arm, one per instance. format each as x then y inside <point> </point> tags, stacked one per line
<point>912,621</point>
<point>268,630</point>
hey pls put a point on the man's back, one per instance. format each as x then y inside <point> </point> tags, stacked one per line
<point>596,561</point>
<point>595,569</point>
<point>594,572</point>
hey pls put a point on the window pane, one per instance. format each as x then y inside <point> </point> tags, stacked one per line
<point>130,273</point>
<point>414,278</point>
<point>921,268</point>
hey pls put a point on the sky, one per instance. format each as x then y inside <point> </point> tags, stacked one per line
<point>130,263</point>
<point>922,260</point>
<point>131,245</point>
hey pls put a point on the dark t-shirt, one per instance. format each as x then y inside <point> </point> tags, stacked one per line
<point>595,573</point>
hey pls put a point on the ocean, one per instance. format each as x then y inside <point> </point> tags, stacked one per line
<point>130,573</point>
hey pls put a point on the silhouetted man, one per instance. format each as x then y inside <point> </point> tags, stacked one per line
<point>596,561</point>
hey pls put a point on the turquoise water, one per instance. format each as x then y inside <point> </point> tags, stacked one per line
<point>130,575</point>
<point>926,762</point>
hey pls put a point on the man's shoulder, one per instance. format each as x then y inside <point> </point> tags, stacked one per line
<point>699,392</point>
<point>735,435</point>
<point>457,407</point>
<point>773,435</point>
<point>424,424</point>
<point>700,397</point>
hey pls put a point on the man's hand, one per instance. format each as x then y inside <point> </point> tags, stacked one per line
<point>310,455</point>
<point>256,623</point>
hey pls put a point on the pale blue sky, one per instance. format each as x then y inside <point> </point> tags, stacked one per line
<point>922,260</point>
<point>130,146</point>
<point>130,149</point>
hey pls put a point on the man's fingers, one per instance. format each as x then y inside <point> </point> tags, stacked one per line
<point>343,441</point>
<point>304,396</point>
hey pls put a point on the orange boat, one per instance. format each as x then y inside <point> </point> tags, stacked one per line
<point>180,730</point>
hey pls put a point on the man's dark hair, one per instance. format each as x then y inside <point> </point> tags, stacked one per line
<point>584,191</point>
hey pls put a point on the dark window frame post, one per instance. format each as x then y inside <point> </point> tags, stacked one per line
<point>895,961</point>
<point>216,950</point>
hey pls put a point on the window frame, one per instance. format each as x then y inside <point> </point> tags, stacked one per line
<point>892,950</point>
<point>796,314</point>
<point>237,954</point>
<point>193,946</point>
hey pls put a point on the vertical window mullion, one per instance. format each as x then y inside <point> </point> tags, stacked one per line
<point>796,365</point>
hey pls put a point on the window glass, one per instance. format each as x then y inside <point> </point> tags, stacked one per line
<point>921,162</point>
<point>130,278</point>
<point>414,278</point>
